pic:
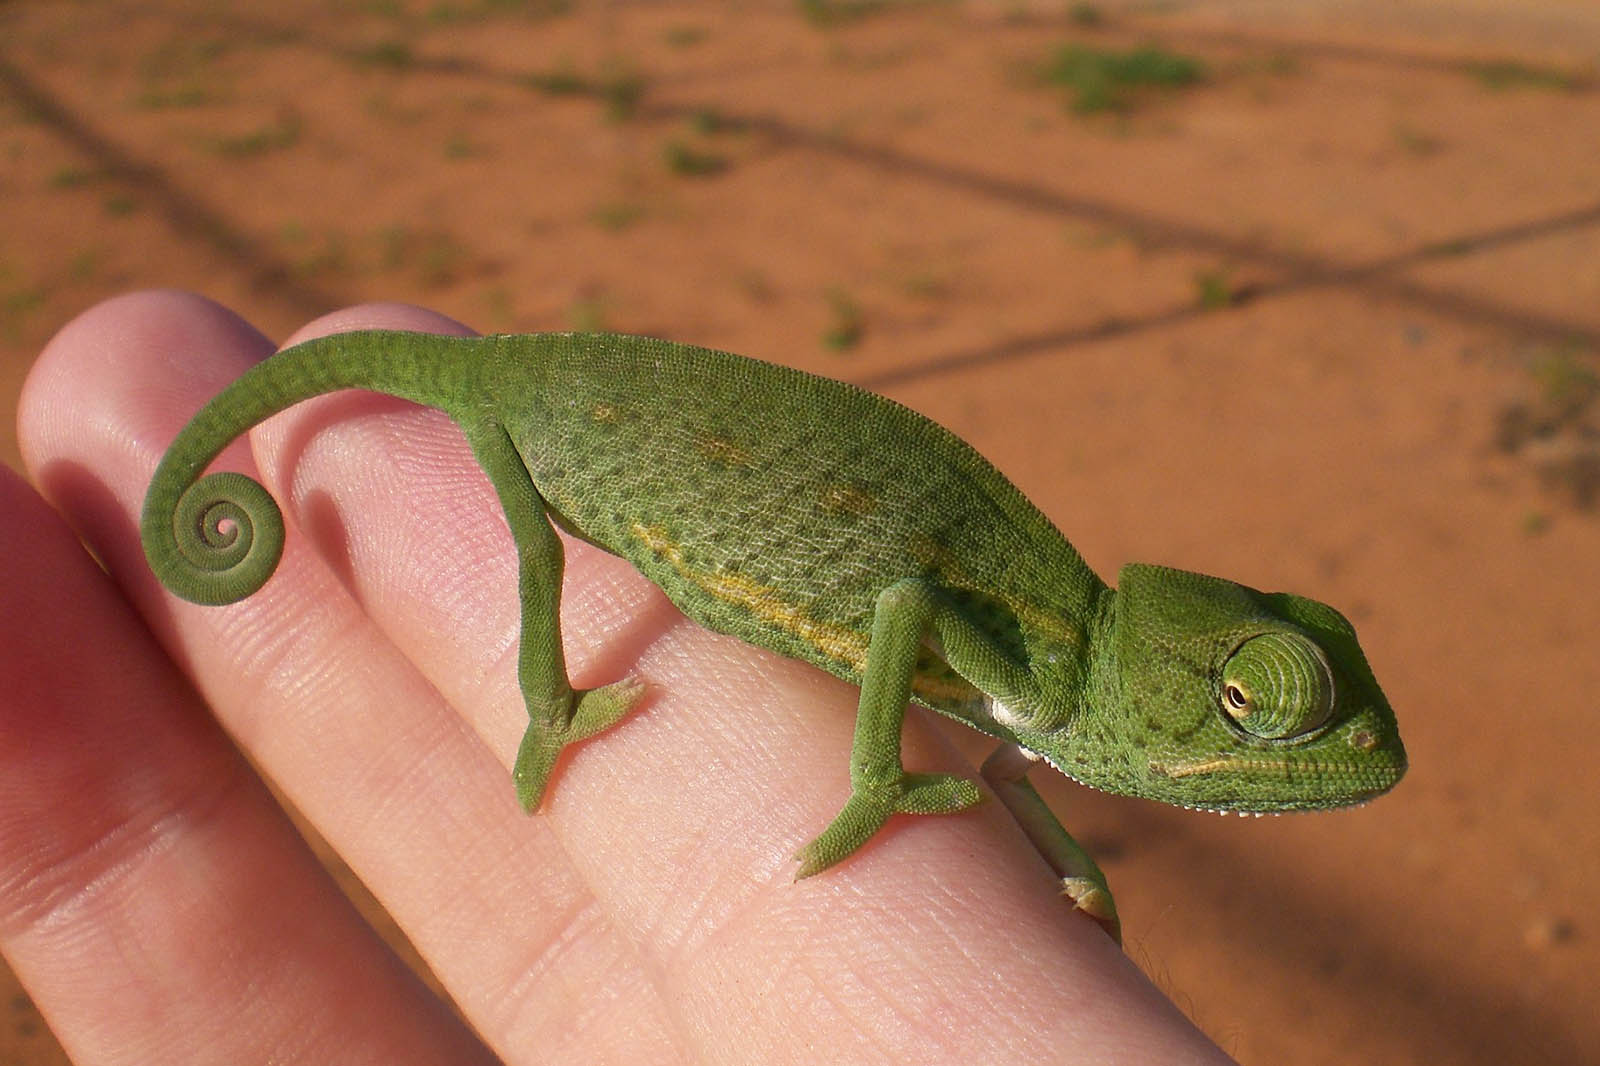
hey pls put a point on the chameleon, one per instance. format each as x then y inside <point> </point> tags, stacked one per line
<point>835,526</point>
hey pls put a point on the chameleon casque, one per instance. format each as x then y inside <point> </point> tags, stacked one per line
<point>835,526</point>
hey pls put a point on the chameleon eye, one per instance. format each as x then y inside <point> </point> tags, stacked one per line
<point>1277,686</point>
<point>1238,700</point>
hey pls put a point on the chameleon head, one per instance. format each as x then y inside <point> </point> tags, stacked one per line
<point>1209,694</point>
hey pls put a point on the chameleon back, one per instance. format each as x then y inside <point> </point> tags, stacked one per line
<point>773,504</point>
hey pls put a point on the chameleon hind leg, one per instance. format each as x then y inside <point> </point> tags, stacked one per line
<point>1080,877</point>
<point>903,615</point>
<point>558,714</point>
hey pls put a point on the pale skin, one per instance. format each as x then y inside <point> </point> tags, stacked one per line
<point>159,909</point>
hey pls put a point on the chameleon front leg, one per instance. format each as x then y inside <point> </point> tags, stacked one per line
<point>1081,880</point>
<point>903,615</point>
<point>558,714</point>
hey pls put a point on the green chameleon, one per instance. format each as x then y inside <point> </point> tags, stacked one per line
<point>835,526</point>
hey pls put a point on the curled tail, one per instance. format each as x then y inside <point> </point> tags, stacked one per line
<point>214,542</point>
<point>216,539</point>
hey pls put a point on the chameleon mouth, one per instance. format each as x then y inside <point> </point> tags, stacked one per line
<point>1366,779</point>
<point>1226,764</point>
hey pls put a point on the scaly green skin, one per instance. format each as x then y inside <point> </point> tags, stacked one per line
<point>834,526</point>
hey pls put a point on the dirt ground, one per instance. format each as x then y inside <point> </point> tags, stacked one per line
<point>1325,318</point>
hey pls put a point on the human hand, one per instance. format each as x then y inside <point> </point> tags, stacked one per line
<point>160,908</point>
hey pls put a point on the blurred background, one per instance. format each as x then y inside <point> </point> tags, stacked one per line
<point>1305,293</point>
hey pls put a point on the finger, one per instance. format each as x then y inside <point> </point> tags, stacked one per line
<point>320,698</point>
<point>152,897</point>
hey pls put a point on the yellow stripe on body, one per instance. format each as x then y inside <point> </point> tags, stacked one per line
<point>834,641</point>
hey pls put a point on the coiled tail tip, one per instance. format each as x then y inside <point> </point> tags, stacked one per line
<point>217,542</point>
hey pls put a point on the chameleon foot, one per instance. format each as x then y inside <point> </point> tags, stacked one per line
<point>1080,877</point>
<point>1091,896</point>
<point>867,811</point>
<point>594,711</point>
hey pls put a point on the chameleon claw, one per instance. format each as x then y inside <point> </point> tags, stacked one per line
<point>1091,896</point>
<point>597,709</point>
<point>593,711</point>
<point>867,811</point>
<point>536,757</point>
<point>862,816</point>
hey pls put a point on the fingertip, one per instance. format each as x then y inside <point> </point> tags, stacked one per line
<point>105,373</point>
<point>380,315</point>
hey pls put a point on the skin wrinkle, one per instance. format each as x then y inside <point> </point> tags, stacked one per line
<point>57,894</point>
<point>932,1009</point>
<point>911,1014</point>
<point>541,1015</point>
<point>527,1003</point>
<point>721,918</point>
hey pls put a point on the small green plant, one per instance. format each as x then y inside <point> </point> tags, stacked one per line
<point>690,162</point>
<point>621,88</point>
<point>1555,426</point>
<point>283,132</point>
<point>1502,74</point>
<point>616,215</point>
<point>1450,247</point>
<point>121,205</point>
<point>85,265</point>
<point>498,305</point>
<point>533,9</point>
<point>460,146</point>
<point>191,94</point>
<point>562,81</point>
<point>18,300</point>
<point>825,13</point>
<point>305,255</point>
<point>755,286</point>
<point>1214,290</point>
<point>1417,142</point>
<point>847,325</point>
<point>182,55</point>
<point>448,12</point>
<point>685,36</point>
<point>1089,16</point>
<point>589,314</point>
<point>180,72</point>
<point>441,261</point>
<point>436,255</point>
<point>386,55</point>
<point>72,177</point>
<point>1272,64</point>
<point>708,120</point>
<point>1568,385</point>
<point>1107,80</point>
<point>312,254</point>
<point>927,285</point>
